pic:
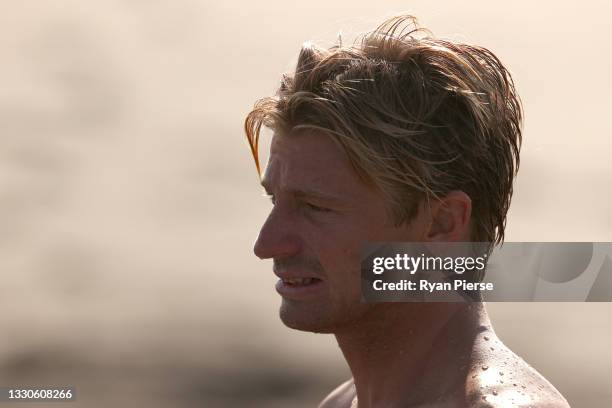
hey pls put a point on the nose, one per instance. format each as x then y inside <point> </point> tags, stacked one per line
<point>278,237</point>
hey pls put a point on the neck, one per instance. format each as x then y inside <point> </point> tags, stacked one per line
<point>411,352</point>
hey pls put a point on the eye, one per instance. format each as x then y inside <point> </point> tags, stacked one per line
<point>315,208</point>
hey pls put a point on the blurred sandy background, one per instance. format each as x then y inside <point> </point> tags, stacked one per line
<point>129,203</point>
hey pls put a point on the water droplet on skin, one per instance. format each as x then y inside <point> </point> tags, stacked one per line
<point>492,349</point>
<point>523,386</point>
<point>501,373</point>
<point>494,392</point>
<point>486,338</point>
<point>485,367</point>
<point>514,385</point>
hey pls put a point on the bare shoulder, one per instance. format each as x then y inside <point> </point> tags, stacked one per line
<point>501,378</point>
<point>341,397</point>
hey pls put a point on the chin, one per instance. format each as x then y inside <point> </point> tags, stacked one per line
<point>314,318</point>
<point>304,317</point>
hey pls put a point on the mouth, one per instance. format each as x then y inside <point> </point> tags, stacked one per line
<point>299,288</point>
<point>299,281</point>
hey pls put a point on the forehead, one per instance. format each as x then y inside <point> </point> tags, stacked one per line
<point>310,160</point>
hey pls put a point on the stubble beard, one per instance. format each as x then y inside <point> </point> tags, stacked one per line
<point>321,317</point>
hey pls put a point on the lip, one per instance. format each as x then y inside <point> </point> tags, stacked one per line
<point>298,292</point>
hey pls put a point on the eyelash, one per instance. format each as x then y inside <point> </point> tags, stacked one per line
<point>309,206</point>
<point>315,208</point>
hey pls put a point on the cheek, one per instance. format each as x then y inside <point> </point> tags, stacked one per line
<point>338,247</point>
<point>342,264</point>
<point>334,239</point>
<point>343,245</point>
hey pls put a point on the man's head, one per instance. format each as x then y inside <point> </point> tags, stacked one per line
<point>402,137</point>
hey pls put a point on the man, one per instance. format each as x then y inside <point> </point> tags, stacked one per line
<point>402,137</point>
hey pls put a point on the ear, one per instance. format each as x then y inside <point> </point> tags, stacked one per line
<point>450,218</point>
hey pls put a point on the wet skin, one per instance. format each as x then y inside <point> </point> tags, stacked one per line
<point>489,375</point>
<point>400,354</point>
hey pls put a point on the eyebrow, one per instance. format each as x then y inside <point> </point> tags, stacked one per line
<point>305,193</point>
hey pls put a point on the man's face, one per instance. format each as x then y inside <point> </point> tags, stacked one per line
<point>322,215</point>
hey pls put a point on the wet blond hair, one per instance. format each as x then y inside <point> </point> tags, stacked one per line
<point>417,116</point>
